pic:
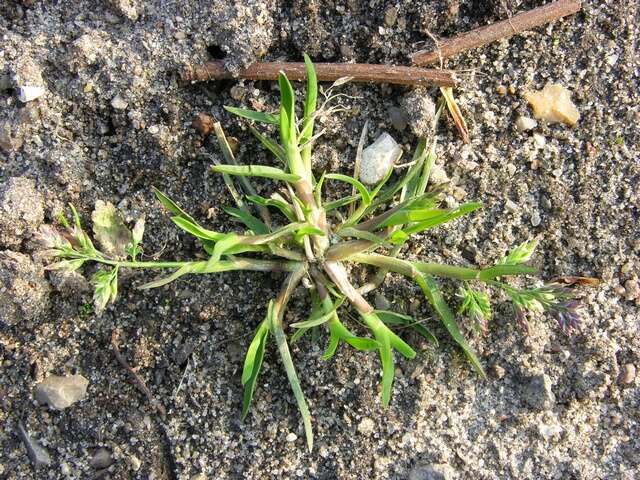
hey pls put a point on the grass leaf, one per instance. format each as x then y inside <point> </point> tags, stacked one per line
<point>254,115</point>
<point>270,145</point>
<point>287,361</point>
<point>256,171</point>
<point>439,304</point>
<point>171,205</point>
<point>362,190</point>
<point>190,226</point>
<point>309,110</point>
<point>254,224</point>
<point>394,318</point>
<point>275,201</point>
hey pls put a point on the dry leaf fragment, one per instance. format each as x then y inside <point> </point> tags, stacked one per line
<point>109,229</point>
<point>553,104</point>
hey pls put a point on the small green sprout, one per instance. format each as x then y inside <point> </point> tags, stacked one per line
<point>290,232</point>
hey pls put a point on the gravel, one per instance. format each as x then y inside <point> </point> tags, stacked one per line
<point>76,147</point>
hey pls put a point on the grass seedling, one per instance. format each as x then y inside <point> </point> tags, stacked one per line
<point>291,233</point>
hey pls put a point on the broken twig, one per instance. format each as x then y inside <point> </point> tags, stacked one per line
<point>137,379</point>
<point>497,31</point>
<point>329,72</point>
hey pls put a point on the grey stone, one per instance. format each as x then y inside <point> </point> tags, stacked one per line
<point>536,220</point>
<point>101,458</point>
<point>61,392</point>
<point>119,103</point>
<point>37,454</point>
<point>537,392</point>
<point>381,302</point>
<point>24,292</point>
<point>21,210</point>
<point>420,111</point>
<point>398,118</point>
<point>431,472</point>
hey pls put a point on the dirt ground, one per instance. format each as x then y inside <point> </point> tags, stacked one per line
<point>114,121</point>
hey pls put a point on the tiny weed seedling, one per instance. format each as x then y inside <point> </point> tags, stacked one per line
<point>370,227</point>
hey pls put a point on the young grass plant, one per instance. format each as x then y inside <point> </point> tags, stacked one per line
<point>300,242</point>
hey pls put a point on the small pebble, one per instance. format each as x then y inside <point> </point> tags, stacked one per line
<point>511,169</point>
<point>203,123</point>
<point>535,219</point>
<point>627,374</point>
<point>61,392</point>
<point>526,123</point>
<point>501,90</point>
<point>134,463</point>
<point>28,93</point>
<point>537,392</point>
<point>511,206</point>
<point>549,431</point>
<point>390,16</point>
<point>632,289</point>
<point>119,103</point>
<point>381,302</point>
<point>539,140</point>
<point>101,459</point>
<point>553,104</point>
<point>398,118</point>
<point>366,426</point>
<point>438,175</point>
<point>291,437</point>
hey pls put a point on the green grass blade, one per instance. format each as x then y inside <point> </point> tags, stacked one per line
<point>362,190</point>
<point>270,145</point>
<point>341,202</point>
<point>275,202</point>
<point>309,110</point>
<point>334,341</point>
<point>254,115</point>
<point>439,304</point>
<point>255,225</point>
<point>394,318</point>
<point>171,205</point>
<point>256,171</point>
<point>253,363</point>
<point>319,319</point>
<point>505,270</point>
<point>388,369</point>
<point>287,361</point>
<point>442,218</point>
<point>287,111</point>
<point>165,280</point>
<point>196,230</point>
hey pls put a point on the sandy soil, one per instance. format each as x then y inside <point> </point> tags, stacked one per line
<point>114,121</point>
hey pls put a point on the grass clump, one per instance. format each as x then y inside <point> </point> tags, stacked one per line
<point>370,228</point>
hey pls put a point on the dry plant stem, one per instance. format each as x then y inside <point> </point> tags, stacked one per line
<point>359,72</point>
<point>497,31</point>
<point>137,379</point>
<point>339,276</point>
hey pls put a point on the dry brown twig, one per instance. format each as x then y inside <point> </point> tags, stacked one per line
<point>327,72</point>
<point>137,379</point>
<point>490,33</point>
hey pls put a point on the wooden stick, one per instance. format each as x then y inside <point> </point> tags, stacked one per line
<point>499,30</point>
<point>360,72</point>
<point>137,379</point>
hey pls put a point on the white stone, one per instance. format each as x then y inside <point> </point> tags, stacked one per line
<point>366,426</point>
<point>438,175</point>
<point>291,437</point>
<point>539,140</point>
<point>549,431</point>
<point>119,103</point>
<point>378,158</point>
<point>526,123</point>
<point>26,93</point>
